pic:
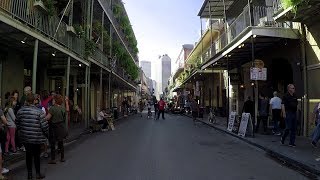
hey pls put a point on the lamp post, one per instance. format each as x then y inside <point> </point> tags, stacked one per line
<point>112,62</point>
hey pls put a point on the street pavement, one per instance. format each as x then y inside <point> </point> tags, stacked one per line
<point>170,149</point>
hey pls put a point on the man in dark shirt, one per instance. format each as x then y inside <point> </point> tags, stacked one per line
<point>248,107</point>
<point>289,110</point>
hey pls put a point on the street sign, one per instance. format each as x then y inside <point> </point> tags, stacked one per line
<point>258,74</point>
<point>245,119</point>
<point>232,118</point>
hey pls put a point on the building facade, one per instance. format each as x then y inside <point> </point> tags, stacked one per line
<point>89,55</point>
<point>146,67</point>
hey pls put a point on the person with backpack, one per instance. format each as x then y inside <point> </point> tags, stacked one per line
<point>161,106</point>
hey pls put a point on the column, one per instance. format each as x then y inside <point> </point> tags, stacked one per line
<point>86,102</point>
<point>100,91</point>
<point>35,63</point>
<point>68,89</point>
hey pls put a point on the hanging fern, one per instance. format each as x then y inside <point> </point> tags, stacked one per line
<point>291,3</point>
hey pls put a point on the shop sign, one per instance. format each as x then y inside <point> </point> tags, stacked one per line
<point>245,119</point>
<point>232,118</point>
<point>258,74</point>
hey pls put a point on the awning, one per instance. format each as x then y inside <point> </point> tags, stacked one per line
<point>216,8</point>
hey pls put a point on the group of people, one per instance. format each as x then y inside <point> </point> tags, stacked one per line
<point>159,107</point>
<point>282,110</point>
<point>32,124</point>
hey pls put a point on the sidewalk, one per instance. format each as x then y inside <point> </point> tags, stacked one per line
<point>75,132</point>
<point>303,157</point>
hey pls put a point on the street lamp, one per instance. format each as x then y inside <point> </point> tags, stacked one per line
<point>112,62</point>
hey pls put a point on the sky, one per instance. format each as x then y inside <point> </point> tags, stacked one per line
<point>163,26</point>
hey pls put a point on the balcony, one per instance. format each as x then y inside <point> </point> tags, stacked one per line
<point>24,12</point>
<point>108,9</point>
<point>259,23</point>
<point>303,11</point>
<point>101,58</point>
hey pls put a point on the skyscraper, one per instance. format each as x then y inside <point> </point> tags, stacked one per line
<point>146,67</point>
<point>162,73</point>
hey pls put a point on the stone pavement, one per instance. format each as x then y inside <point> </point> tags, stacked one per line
<point>303,157</point>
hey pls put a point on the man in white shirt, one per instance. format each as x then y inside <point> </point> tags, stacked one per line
<point>102,119</point>
<point>275,109</point>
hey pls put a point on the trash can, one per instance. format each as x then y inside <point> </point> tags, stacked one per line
<point>115,113</point>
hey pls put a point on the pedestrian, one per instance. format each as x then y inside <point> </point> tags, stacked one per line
<point>11,124</point>
<point>289,110</point>
<point>57,130</point>
<point>102,119</point>
<point>3,129</point>
<point>194,106</point>
<point>263,113</point>
<point>161,105</point>
<point>37,103</point>
<point>316,132</point>
<point>141,106</point>
<point>33,131</point>
<point>27,91</point>
<point>248,107</point>
<point>155,104</point>
<point>275,111</point>
<point>16,102</point>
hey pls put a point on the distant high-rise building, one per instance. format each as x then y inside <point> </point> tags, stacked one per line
<point>162,73</point>
<point>146,67</point>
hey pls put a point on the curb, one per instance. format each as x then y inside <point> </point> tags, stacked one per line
<point>285,159</point>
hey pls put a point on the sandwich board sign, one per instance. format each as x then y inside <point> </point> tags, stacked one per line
<point>232,118</point>
<point>246,122</point>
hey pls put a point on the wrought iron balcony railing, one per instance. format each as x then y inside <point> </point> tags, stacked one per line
<point>25,12</point>
<point>108,8</point>
<point>261,17</point>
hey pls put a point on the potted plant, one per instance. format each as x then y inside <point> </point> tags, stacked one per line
<point>46,6</point>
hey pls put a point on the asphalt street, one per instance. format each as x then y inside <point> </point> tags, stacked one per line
<point>170,149</point>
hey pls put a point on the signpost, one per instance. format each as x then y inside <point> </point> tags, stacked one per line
<point>232,118</point>
<point>245,122</point>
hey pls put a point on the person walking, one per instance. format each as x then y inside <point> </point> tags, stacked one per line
<point>275,112</point>
<point>194,109</point>
<point>141,106</point>
<point>289,110</point>
<point>33,132</point>
<point>316,133</point>
<point>161,106</point>
<point>263,113</point>
<point>11,118</point>
<point>57,130</point>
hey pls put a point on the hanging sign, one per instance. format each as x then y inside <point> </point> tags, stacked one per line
<point>232,118</point>
<point>258,74</point>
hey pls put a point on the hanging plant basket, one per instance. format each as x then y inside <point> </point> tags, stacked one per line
<point>71,30</point>
<point>45,6</point>
<point>39,4</point>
